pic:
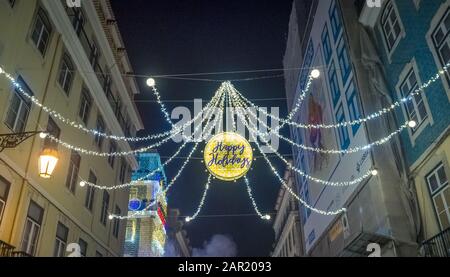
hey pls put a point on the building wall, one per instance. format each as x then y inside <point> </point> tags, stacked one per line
<point>428,147</point>
<point>20,57</point>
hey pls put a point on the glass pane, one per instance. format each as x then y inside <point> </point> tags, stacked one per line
<point>62,232</point>
<point>442,176</point>
<point>397,29</point>
<point>444,221</point>
<point>439,204</point>
<point>447,22</point>
<point>34,239</point>
<point>21,119</point>
<point>26,235</point>
<point>35,212</point>
<point>4,188</point>
<point>12,111</point>
<point>433,183</point>
<point>37,31</point>
<point>422,111</point>
<point>445,52</point>
<point>439,36</point>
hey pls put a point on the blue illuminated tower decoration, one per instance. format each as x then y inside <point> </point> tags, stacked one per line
<point>146,234</point>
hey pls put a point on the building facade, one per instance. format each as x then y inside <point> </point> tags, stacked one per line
<point>146,233</point>
<point>380,209</point>
<point>178,242</point>
<point>287,227</point>
<point>52,50</point>
<point>413,41</point>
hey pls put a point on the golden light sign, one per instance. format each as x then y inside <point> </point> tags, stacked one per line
<point>228,156</point>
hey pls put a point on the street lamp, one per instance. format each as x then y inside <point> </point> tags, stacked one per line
<point>47,162</point>
<point>48,157</point>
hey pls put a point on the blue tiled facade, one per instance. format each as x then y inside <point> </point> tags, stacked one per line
<point>416,23</point>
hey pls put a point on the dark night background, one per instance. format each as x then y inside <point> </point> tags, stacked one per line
<point>181,36</point>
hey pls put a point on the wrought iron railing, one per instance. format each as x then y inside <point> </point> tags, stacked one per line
<point>21,254</point>
<point>6,249</point>
<point>438,246</point>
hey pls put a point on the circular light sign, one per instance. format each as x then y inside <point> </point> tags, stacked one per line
<point>134,204</point>
<point>228,156</point>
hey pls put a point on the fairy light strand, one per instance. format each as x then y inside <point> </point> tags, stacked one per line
<point>250,194</point>
<point>202,201</point>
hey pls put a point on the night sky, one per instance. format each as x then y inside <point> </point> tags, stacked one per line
<point>193,36</point>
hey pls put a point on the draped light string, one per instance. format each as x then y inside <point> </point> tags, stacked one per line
<point>369,173</point>
<point>202,202</point>
<point>370,117</point>
<point>351,150</point>
<point>115,154</point>
<point>286,186</point>
<point>144,212</point>
<point>74,124</point>
<point>249,190</point>
<point>83,183</point>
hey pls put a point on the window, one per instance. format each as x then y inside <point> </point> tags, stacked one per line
<point>83,247</point>
<point>441,40</point>
<point>95,54</point>
<point>116,224</point>
<point>391,26</point>
<point>66,73</point>
<point>335,20</point>
<point>415,108</point>
<point>4,191</point>
<point>41,31</point>
<point>130,231</point>
<point>62,233</point>
<point>72,174</point>
<point>105,206</point>
<point>101,129</point>
<point>12,3</point>
<point>85,106</point>
<point>90,193</point>
<point>344,61</point>
<point>343,130</point>
<point>334,84</point>
<point>19,108</point>
<point>353,106</point>
<point>437,181</point>
<point>123,170</point>
<point>54,131</point>
<point>32,228</point>
<point>328,52</point>
<point>78,21</point>
<point>112,149</point>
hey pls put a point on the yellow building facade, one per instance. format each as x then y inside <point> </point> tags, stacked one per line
<point>52,51</point>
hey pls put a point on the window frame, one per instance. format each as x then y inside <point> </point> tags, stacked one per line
<point>116,222</point>
<point>85,106</point>
<point>73,171</point>
<point>4,199</point>
<point>390,49</point>
<point>69,73</point>
<point>60,243</point>
<point>104,207</point>
<point>439,192</point>
<point>90,193</point>
<point>24,103</point>
<point>45,22</point>
<point>35,231</point>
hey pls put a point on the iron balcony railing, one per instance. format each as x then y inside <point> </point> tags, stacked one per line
<point>6,250</point>
<point>438,246</point>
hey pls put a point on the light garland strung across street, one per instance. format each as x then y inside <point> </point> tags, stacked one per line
<point>410,124</point>
<point>249,190</point>
<point>286,186</point>
<point>113,154</point>
<point>143,213</point>
<point>370,117</point>
<point>133,183</point>
<point>202,202</point>
<point>371,172</point>
<point>74,124</point>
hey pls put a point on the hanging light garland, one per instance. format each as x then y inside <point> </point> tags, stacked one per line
<point>410,124</point>
<point>74,124</point>
<point>370,117</point>
<point>249,191</point>
<point>133,183</point>
<point>302,173</point>
<point>202,201</point>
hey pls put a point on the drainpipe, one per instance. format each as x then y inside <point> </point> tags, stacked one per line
<point>24,179</point>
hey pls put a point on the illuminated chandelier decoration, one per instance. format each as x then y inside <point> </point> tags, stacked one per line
<point>228,156</point>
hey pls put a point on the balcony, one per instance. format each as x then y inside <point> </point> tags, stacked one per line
<point>7,250</point>
<point>438,246</point>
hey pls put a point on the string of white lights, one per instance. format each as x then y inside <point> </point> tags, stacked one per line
<point>143,212</point>
<point>351,150</point>
<point>370,117</point>
<point>133,183</point>
<point>249,190</point>
<point>202,201</point>
<point>74,124</point>
<point>371,172</point>
<point>286,186</point>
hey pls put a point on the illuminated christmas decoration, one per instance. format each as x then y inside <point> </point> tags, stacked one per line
<point>228,156</point>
